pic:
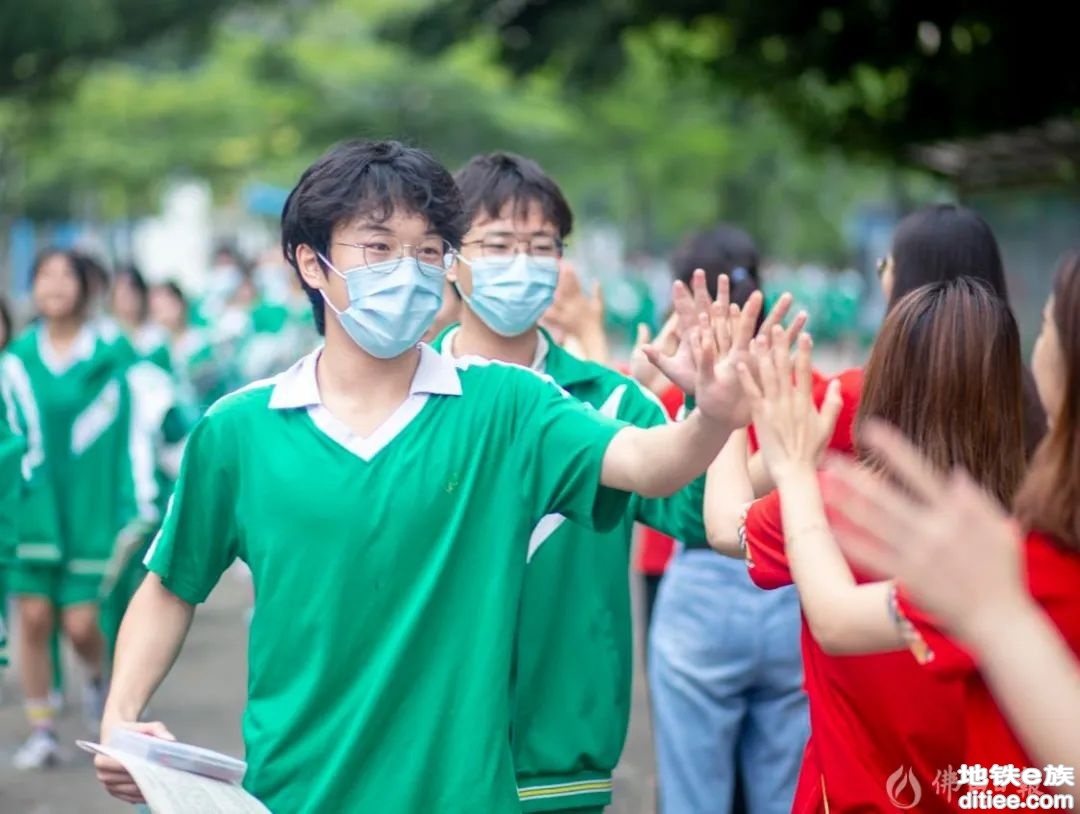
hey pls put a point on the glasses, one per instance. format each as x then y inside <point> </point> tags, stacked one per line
<point>434,251</point>
<point>503,245</point>
<point>881,265</point>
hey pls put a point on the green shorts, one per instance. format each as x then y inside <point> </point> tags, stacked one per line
<point>53,582</point>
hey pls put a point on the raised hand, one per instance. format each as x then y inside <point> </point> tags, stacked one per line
<point>645,372</point>
<point>718,345</point>
<point>574,311</point>
<point>952,546</point>
<point>689,305</point>
<point>791,430</point>
<point>676,361</point>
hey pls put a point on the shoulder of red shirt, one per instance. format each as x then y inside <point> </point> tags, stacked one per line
<point>851,382</point>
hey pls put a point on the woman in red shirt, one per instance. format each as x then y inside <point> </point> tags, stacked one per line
<point>1021,700</point>
<point>881,727</point>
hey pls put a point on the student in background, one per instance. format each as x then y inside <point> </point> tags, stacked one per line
<point>223,279</point>
<point>191,358</point>
<point>100,473</point>
<point>725,672</point>
<point>571,680</point>
<point>130,307</point>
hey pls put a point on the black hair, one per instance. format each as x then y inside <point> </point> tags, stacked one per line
<point>96,272</point>
<point>724,249</point>
<point>230,251</point>
<point>80,264</point>
<point>489,182</point>
<point>174,288</point>
<point>132,273</point>
<point>369,179</point>
<point>943,242</point>
<point>7,323</point>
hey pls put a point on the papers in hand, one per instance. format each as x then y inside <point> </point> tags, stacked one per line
<point>177,778</point>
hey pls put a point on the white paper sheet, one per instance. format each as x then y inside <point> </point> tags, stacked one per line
<point>170,791</point>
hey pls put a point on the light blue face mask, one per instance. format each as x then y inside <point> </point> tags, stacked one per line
<point>391,304</point>
<point>510,294</point>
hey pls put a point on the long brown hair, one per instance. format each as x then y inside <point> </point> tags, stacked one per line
<point>945,370</point>
<point>1049,499</point>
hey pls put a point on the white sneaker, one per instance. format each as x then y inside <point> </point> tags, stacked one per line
<point>94,704</point>
<point>40,751</point>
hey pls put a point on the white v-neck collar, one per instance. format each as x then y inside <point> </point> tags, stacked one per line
<point>539,362</point>
<point>298,388</point>
<point>81,350</point>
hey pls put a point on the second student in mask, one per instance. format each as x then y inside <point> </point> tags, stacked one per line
<point>572,669</point>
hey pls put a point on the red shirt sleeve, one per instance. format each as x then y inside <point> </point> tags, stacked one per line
<point>927,642</point>
<point>850,392</point>
<point>761,533</point>
<point>655,549</point>
<point>851,381</point>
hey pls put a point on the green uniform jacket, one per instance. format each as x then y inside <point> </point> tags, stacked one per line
<point>98,466</point>
<point>27,515</point>
<point>574,657</point>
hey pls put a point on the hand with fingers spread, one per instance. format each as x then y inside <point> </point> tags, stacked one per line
<point>791,430</point>
<point>726,318</point>
<point>927,529</point>
<point>677,360</point>
<point>718,346</point>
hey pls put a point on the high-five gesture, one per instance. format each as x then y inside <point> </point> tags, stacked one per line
<point>717,346</point>
<point>676,360</point>
<point>792,432</point>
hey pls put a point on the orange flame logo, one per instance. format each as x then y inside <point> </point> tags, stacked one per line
<point>903,785</point>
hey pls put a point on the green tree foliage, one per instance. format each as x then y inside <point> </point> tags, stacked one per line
<point>876,75</point>
<point>51,40</point>
<point>657,151</point>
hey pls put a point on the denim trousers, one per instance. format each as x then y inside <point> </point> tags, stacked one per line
<point>726,685</point>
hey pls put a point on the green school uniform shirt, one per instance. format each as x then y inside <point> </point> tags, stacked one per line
<point>26,509</point>
<point>99,467</point>
<point>387,574</point>
<point>573,665</point>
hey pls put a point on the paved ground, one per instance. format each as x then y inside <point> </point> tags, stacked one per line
<point>202,701</point>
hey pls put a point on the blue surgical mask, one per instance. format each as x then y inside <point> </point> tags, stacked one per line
<point>391,304</point>
<point>510,294</point>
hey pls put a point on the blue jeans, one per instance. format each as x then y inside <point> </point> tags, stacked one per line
<point>725,676</point>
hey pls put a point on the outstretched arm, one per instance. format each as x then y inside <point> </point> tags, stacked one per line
<point>844,616</point>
